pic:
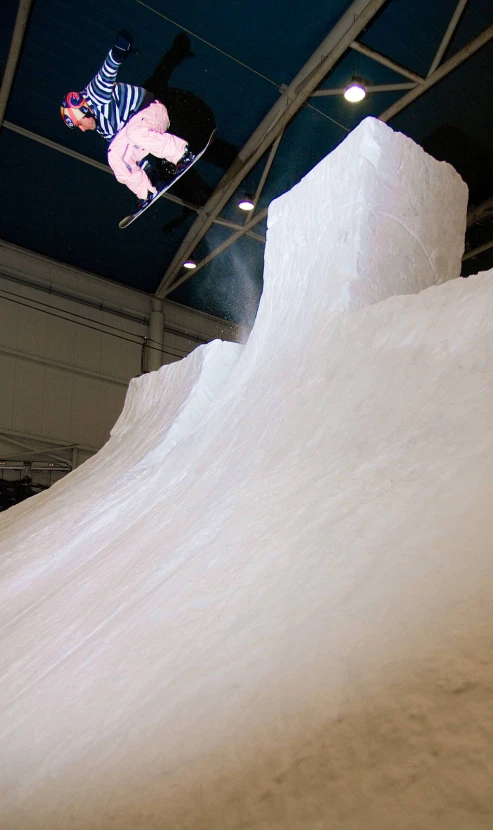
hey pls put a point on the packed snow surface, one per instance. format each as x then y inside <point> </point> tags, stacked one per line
<point>266,603</point>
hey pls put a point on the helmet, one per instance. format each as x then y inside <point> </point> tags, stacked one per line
<point>74,107</point>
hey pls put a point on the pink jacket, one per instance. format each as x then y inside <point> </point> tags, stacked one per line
<point>144,133</point>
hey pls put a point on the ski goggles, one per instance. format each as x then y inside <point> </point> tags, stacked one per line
<point>74,108</point>
<point>73,115</point>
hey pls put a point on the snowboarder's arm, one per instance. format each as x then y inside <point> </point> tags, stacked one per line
<point>100,89</point>
<point>123,46</point>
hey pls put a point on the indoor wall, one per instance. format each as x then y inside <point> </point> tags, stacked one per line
<point>69,344</point>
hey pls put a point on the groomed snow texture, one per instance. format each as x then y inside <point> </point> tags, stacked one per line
<point>266,603</point>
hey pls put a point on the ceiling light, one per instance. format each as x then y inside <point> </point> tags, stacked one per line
<point>246,204</point>
<point>190,264</point>
<point>356,91</point>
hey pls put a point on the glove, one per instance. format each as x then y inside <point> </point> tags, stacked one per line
<point>123,45</point>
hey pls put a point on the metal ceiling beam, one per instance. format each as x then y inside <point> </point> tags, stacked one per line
<point>481,211</point>
<point>40,439</point>
<point>390,64</point>
<point>477,251</point>
<point>265,173</point>
<point>104,167</point>
<point>448,35</point>
<point>227,224</point>
<point>14,52</point>
<point>54,146</point>
<point>41,452</point>
<point>349,27</point>
<point>320,93</point>
<point>219,250</point>
<point>439,73</point>
<point>33,449</point>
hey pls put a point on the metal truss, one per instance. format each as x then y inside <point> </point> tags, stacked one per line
<point>351,24</point>
<point>31,447</point>
<point>250,222</point>
<point>438,74</point>
<point>482,211</point>
<point>294,96</point>
<point>475,215</point>
<point>269,132</point>
<point>104,167</point>
<point>477,251</point>
<point>14,53</point>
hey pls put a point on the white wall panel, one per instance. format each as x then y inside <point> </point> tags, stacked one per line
<point>28,397</point>
<point>111,398</point>
<point>134,350</point>
<point>57,404</point>
<point>87,348</point>
<point>113,357</point>
<point>9,314</point>
<point>84,419</point>
<point>63,373</point>
<point>7,385</point>
<point>60,343</point>
<point>32,331</point>
<point>133,360</point>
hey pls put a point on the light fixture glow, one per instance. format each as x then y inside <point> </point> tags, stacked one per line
<point>246,204</point>
<point>356,91</point>
<point>189,264</point>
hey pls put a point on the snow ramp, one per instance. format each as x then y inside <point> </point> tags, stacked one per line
<point>269,605</point>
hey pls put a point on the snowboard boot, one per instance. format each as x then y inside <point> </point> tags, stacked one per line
<point>166,172</point>
<point>185,160</point>
<point>142,203</point>
<point>150,170</point>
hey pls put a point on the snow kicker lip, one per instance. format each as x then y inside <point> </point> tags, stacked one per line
<point>278,621</point>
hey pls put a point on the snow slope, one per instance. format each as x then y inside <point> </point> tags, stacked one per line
<point>270,606</point>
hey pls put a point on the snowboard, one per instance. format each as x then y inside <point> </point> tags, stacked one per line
<point>133,216</point>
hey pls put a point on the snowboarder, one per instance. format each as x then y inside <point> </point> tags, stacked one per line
<point>134,121</point>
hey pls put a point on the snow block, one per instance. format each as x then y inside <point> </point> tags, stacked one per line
<point>266,603</point>
<point>375,218</point>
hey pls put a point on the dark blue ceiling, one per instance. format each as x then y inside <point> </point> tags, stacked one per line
<point>241,53</point>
